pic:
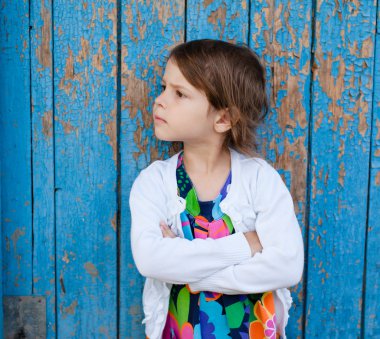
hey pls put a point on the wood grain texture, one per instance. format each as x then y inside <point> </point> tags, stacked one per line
<point>217,19</point>
<point>149,29</point>
<point>85,93</point>
<point>1,252</point>
<point>340,147</point>
<point>371,318</point>
<point>77,84</point>
<point>15,148</point>
<point>43,158</point>
<point>281,33</point>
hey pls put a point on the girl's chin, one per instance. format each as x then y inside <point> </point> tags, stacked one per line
<point>161,135</point>
<point>163,138</point>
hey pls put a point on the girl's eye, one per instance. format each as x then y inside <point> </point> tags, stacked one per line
<point>179,94</point>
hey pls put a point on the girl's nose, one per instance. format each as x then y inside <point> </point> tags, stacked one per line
<point>160,100</point>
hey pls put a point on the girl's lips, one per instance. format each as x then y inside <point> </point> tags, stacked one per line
<point>157,118</point>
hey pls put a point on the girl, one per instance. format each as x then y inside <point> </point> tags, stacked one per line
<point>213,227</point>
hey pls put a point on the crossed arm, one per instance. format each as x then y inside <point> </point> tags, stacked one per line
<point>224,265</point>
<point>174,260</point>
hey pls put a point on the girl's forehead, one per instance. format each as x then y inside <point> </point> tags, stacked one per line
<point>174,76</point>
<point>173,72</point>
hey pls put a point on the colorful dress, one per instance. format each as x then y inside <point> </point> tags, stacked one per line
<point>208,314</point>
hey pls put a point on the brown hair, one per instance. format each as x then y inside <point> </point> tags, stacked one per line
<point>231,76</point>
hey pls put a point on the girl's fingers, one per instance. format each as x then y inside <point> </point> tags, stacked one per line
<point>163,230</point>
<point>163,227</point>
<point>171,234</point>
<point>166,231</point>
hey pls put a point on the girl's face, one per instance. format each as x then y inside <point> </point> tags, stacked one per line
<point>181,111</point>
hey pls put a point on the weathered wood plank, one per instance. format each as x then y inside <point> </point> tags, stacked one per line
<point>149,29</point>
<point>1,252</point>
<point>15,149</point>
<point>72,162</point>
<point>85,125</point>
<point>281,33</point>
<point>341,123</point>
<point>372,278</point>
<point>43,157</point>
<point>24,317</point>
<point>217,19</point>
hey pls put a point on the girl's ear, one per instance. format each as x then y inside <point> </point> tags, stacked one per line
<point>222,122</point>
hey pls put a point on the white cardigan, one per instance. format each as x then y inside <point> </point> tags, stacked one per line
<point>257,200</point>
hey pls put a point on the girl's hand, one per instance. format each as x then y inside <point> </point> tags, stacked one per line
<point>254,242</point>
<point>166,231</point>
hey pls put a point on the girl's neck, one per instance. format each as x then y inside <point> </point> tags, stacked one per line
<point>206,159</point>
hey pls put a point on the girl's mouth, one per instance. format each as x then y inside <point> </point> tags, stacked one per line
<point>158,118</point>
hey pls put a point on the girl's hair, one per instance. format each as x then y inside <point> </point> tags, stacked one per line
<point>231,76</point>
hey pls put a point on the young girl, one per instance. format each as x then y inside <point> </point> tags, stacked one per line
<point>213,227</point>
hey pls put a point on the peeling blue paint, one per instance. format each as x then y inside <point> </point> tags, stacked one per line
<point>76,129</point>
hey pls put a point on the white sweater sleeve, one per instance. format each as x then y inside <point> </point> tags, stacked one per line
<point>280,264</point>
<point>174,260</point>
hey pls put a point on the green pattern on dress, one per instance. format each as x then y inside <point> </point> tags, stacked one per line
<point>183,306</point>
<point>228,222</point>
<point>192,205</point>
<point>235,314</point>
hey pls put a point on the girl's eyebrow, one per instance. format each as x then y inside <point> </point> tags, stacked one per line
<point>177,85</point>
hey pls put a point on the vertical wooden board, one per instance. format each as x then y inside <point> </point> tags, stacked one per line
<point>341,119</point>
<point>372,278</point>
<point>218,19</point>
<point>281,33</point>
<point>149,29</point>
<point>85,123</point>
<point>15,149</point>
<point>1,254</point>
<point>43,157</point>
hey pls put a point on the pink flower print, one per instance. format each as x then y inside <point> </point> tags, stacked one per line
<point>270,328</point>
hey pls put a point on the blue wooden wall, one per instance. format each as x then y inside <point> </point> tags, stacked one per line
<point>77,83</point>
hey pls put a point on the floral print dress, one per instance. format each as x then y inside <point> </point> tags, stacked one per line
<point>207,314</point>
